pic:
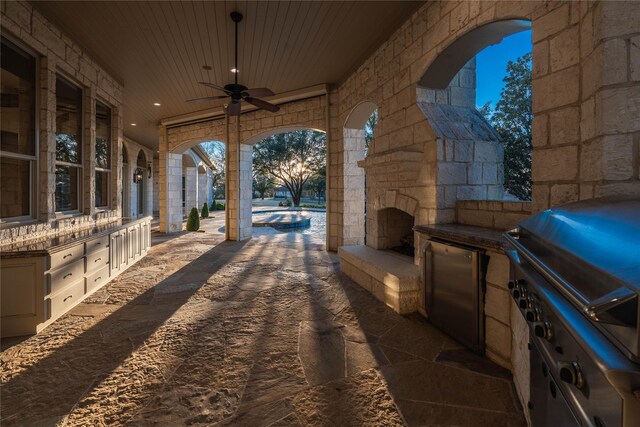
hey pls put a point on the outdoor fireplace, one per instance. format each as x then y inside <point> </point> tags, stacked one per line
<point>395,231</point>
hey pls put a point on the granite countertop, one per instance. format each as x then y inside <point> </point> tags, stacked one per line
<point>42,246</point>
<point>465,234</point>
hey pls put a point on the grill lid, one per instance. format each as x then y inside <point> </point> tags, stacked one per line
<point>591,251</point>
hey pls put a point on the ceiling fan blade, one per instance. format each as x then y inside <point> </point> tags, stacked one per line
<point>211,85</point>
<point>262,104</point>
<point>206,98</point>
<point>233,109</point>
<point>258,92</point>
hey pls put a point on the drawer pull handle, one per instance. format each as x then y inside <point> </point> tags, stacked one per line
<point>99,243</point>
<point>95,280</point>
<point>65,300</point>
<point>64,257</point>
<point>67,275</point>
<point>98,260</point>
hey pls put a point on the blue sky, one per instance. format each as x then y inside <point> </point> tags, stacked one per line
<point>491,65</point>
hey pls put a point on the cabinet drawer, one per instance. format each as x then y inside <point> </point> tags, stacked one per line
<point>96,244</point>
<point>64,276</point>
<point>66,256</point>
<point>66,299</point>
<point>97,260</point>
<point>97,279</point>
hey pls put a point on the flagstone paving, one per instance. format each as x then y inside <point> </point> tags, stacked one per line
<point>266,332</point>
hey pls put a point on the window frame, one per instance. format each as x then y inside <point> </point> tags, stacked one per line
<point>78,166</point>
<point>34,160</point>
<point>106,172</point>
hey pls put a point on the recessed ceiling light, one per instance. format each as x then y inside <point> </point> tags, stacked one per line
<point>206,67</point>
<point>133,124</point>
<point>235,70</point>
<point>157,104</point>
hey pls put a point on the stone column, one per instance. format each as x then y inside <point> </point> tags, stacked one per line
<point>203,194</point>
<point>89,152</point>
<point>238,184</point>
<point>191,188</point>
<point>170,186</point>
<point>47,158</point>
<point>353,179</point>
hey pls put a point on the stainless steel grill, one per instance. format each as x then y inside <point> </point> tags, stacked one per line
<point>576,279</point>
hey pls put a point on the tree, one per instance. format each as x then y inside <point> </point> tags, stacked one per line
<point>318,183</point>
<point>193,222</point>
<point>216,152</point>
<point>292,158</point>
<point>369,127</point>
<point>262,183</point>
<point>512,121</point>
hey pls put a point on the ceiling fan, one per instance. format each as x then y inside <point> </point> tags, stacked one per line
<point>238,92</point>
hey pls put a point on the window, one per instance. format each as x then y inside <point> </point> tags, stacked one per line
<point>18,134</point>
<point>103,155</point>
<point>68,145</point>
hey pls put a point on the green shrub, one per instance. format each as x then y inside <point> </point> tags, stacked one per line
<point>193,223</point>
<point>217,206</point>
<point>313,206</point>
<point>205,211</point>
<point>285,203</point>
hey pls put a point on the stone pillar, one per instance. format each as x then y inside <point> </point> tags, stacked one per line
<point>47,158</point>
<point>191,189</point>
<point>353,179</point>
<point>170,186</point>
<point>238,184</point>
<point>89,151</point>
<point>203,193</point>
<point>334,175</point>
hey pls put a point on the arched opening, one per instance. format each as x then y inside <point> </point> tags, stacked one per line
<point>357,136</point>
<point>291,166</point>
<point>469,160</point>
<point>126,208</point>
<point>140,176</point>
<point>216,150</point>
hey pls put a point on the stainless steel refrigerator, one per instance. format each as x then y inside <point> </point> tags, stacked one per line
<point>454,291</point>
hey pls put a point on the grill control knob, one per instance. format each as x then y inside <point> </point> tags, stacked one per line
<point>523,303</point>
<point>571,373</point>
<point>516,293</point>
<point>515,283</point>
<point>543,330</point>
<point>530,315</point>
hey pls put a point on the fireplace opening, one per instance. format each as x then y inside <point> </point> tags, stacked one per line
<point>395,231</point>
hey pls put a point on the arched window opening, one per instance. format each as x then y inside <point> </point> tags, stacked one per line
<point>476,96</point>
<point>216,150</point>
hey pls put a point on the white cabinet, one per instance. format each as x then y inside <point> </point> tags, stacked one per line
<point>37,288</point>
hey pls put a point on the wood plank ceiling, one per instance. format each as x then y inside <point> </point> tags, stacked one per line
<point>157,49</point>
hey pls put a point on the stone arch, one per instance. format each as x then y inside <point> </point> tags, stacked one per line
<point>458,53</point>
<point>140,188</point>
<point>465,154</point>
<point>277,130</point>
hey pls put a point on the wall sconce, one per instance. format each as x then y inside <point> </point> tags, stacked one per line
<point>137,175</point>
<point>149,170</point>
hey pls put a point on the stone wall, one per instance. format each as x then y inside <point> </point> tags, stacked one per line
<point>497,214</point>
<point>58,54</point>
<point>586,102</point>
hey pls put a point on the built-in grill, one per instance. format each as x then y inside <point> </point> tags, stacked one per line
<point>576,279</point>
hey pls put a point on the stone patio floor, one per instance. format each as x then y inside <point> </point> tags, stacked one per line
<point>266,332</point>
